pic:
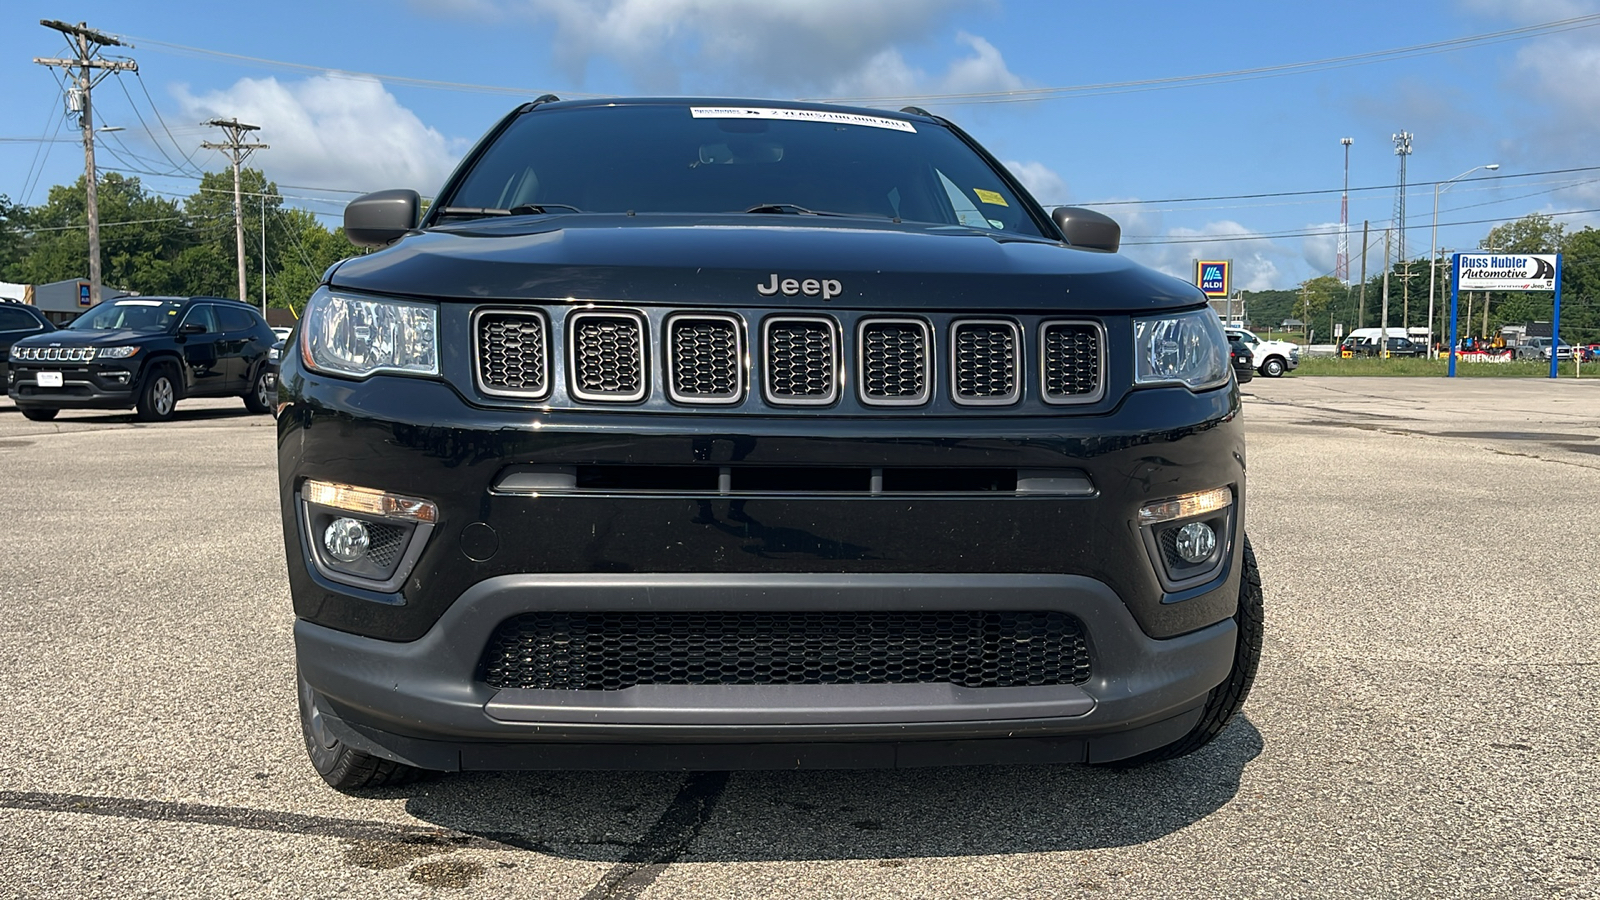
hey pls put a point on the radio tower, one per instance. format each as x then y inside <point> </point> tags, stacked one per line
<point>1341,264</point>
<point>1402,149</point>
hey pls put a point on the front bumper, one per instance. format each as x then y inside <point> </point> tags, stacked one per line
<point>420,702</point>
<point>91,386</point>
<point>396,673</point>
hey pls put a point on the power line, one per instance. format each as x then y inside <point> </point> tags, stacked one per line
<point>1325,191</point>
<point>183,50</point>
<point>1338,62</point>
<point>187,157</point>
<point>1272,235</point>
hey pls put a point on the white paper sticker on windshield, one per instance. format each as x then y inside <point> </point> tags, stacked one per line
<point>799,115</point>
<point>138,302</point>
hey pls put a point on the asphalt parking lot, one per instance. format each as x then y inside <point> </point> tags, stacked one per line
<point>1424,723</point>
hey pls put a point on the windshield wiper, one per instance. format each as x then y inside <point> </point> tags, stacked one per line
<point>526,209</point>
<point>794,210</point>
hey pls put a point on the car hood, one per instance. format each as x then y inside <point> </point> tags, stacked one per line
<point>727,261</point>
<point>70,337</point>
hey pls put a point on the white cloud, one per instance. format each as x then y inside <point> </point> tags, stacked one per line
<point>888,75</point>
<point>332,131</point>
<point>839,47</point>
<point>1042,182</point>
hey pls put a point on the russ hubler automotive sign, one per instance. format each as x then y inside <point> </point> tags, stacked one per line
<point>1508,272</point>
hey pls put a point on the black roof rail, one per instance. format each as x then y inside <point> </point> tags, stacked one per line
<point>542,98</point>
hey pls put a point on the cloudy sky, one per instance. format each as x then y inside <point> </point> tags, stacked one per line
<point>1087,103</point>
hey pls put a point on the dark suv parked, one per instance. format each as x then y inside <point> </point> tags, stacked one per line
<point>17,321</point>
<point>792,435</point>
<point>147,353</point>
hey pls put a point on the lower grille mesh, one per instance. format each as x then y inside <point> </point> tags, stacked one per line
<point>610,651</point>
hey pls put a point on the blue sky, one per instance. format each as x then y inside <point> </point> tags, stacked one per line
<point>302,71</point>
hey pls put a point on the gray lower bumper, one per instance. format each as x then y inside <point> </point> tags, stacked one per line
<point>419,701</point>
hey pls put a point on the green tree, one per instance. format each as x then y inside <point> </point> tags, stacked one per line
<point>1535,233</point>
<point>140,237</point>
<point>210,209</point>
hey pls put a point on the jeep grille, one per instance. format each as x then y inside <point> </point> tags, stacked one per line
<point>706,362</point>
<point>801,361</point>
<point>1071,359</point>
<point>984,362</point>
<point>894,362</point>
<point>513,353</point>
<point>612,651</point>
<point>607,356</point>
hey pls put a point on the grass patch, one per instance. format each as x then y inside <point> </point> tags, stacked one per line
<point>1436,368</point>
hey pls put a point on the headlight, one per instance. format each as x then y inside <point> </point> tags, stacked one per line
<point>115,352</point>
<point>273,354</point>
<point>358,336</point>
<point>1187,349</point>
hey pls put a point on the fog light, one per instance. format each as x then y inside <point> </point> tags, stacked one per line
<point>346,540</point>
<point>1195,543</point>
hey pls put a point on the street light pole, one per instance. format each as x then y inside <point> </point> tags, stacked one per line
<point>1433,254</point>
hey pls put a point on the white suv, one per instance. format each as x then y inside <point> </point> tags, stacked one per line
<point>1273,358</point>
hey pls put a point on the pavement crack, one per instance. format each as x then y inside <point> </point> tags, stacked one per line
<point>242,817</point>
<point>666,840</point>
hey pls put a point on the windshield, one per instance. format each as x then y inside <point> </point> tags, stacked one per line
<point>682,159</point>
<point>153,316</point>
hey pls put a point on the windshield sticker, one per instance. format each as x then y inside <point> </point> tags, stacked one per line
<point>800,115</point>
<point>993,198</point>
<point>138,302</point>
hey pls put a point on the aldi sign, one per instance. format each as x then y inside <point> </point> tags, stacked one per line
<point>1215,277</point>
<point>1508,271</point>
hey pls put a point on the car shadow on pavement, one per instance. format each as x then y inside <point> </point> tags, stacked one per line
<point>840,814</point>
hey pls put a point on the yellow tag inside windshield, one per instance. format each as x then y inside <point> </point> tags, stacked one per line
<point>992,198</point>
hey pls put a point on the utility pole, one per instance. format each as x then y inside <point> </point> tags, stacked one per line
<point>1361,313</point>
<point>1383,333</point>
<point>263,199</point>
<point>88,43</point>
<point>238,150</point>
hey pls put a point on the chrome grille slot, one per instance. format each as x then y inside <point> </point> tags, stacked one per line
<point>513,353</point>
<point>984,362</point>
<point>1072,360</point>
<point>52,354</point>
<point>801,361</point>
<point>606,351</point>
<point>894,361</point>
<point>705,359</point>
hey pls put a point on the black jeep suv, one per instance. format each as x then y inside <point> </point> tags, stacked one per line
<point>147,353</point>
<point>737,434</point>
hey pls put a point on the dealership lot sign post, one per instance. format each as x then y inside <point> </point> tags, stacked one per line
<point>1507,272</point>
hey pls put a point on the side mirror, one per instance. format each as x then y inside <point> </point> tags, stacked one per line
<point>191,328</point>
<point>381,218</point>
<point>1088,229</point>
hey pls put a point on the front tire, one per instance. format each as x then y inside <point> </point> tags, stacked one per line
<point>39,413</point>
<point>1272,368</point>
<point>1227,698</point>
<point>344,768</point>
<point>158,399</point>
<point>262,393</point>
